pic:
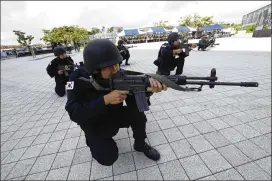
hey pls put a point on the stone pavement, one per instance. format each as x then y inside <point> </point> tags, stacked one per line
<point>217,134</point>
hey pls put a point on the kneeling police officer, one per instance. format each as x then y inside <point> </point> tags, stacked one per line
<point>100,114</point>
<point>124,51</point>
<point>170,56</point>
<point>61,74</point>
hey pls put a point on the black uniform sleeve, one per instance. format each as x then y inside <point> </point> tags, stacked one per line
<point>52,68</point>
<point>166,52</point>
<point>83,110</point>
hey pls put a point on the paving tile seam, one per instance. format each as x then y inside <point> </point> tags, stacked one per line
<point>213,113</point>
<point>206,120</point>
<point>73,158</point>
<point>36,137</point>
<point>148,133</point>
<point>176,107</point>
<point>131,148</point>
<point>38,134</point>
<point>172,160</point>
<point>191,146</point>
<point>162,144</point>
<point>57,154</point>
<point>33,99</point>
<point>21,175</point>
<point>210,150</point>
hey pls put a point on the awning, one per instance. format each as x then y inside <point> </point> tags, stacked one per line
<point>212,27</point>
<point>131,32</point>
<point>156,30</point>
<point>181,29</point>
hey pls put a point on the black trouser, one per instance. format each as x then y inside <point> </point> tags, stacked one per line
<point>125,56</point>
<point>179,70</point>
<point>103,148</point>
<point>60,88</point>
<point>163,72</point>
<point>180,65</point>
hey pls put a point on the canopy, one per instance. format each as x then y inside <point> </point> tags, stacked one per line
<point>181,29</point>
<point>212,27</point>
<point>191,29</point>
<point>156,30</point>
<point>130,32</point>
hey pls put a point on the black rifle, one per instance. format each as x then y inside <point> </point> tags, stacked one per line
<point>128,47</point>
<point>81,64</point>
<point>66,68</point>
<point>138,84</point>
<point>187,47</point>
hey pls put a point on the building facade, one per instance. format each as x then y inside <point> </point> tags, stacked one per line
<point>260,17</point>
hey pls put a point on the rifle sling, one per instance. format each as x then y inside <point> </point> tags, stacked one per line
<point>95,85</point>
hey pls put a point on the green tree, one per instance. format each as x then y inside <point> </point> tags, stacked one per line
<point>162,23</point>
<point>196,21</point>
<point>109,30</point>
<point>250,28</point>
<point>80,34</point>
<point>206,20</point>
<point>65,34</point>
<point>119,30</point>
<point>23,40</point>
<point>94,31</point>
<point>47,36</point>
<point>186,21</point>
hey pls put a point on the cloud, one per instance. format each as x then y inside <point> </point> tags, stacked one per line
<point>33,16</point>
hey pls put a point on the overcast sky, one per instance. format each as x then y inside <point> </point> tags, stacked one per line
<point>33,16</point>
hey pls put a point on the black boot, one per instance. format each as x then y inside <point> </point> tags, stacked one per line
<point>150,152</point>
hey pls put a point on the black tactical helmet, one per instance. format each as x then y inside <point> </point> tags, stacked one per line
<point>100,53</point>
<point>59,51</point>
<point>173,37</point>
<point>120,42</point>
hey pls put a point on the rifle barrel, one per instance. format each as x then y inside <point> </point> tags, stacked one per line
<point>202,78</point>
<point>242,84</point>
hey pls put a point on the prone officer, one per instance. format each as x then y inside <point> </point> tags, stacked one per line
<point>60,68</point>
<point>100,114</point>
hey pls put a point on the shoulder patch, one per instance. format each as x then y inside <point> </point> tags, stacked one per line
<point>70,85</point>
<point>163,46</point>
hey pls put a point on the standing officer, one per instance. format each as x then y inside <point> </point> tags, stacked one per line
<point>124,51</point>
<point>170,56</point>
<point>60,68</point>
<point>100,114</point>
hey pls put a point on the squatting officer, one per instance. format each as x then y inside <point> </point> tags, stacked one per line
<point>61,74</point>
<point>124,51</point>
<point>170,56</point>
<point>100,114</point>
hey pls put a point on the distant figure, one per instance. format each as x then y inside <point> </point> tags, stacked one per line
<point>60,68</point>
<point>123,51</point>
<point>78,47</point>
<point>15,52</point>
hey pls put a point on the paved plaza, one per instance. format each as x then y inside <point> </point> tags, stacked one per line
<point>217,134</point>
